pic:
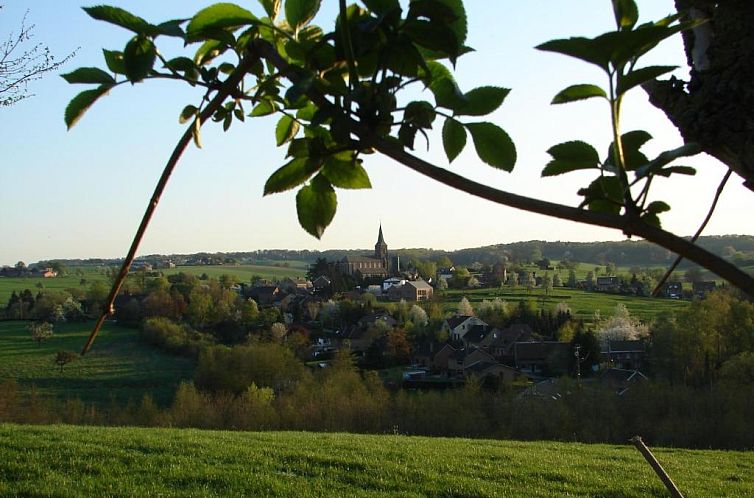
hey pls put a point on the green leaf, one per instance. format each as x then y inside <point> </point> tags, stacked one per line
<point>657,207</point>
<point>172,28</point>
<point>665,158</point>
<point>183,64</point>
<point>346,174</point>
<point>641,76</point>
<point>483,100</point>
<point>585,49</point>
<point>420,114</point>
<point>81,103</point>
<point>571,156</point>
<point>443,87</point>
<point>578,92</point>
<point>605,194</point>
<point>208,51</point>
<point>433,36</point>
<point>493,145</point>
<point>188,113</point>
<point>263,108</point>
<point>453,138</point>
<point>316,204</point>
<point>217,17</point>
<point>271,8</point>
<point>299,13</point>
<point>114,61</point>
<point>382,7</point>
<point>285,130</point>
<point>88,75</point>
<point>119,17</point>
<point>626,13</point>
<point>292,174</point>
<point>632,142</point>
<point>138,58</point>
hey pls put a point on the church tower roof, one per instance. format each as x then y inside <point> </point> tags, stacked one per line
<point>380,238</point>
<point>380,248</point>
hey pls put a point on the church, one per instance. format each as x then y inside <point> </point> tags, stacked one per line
<point>371,266</point>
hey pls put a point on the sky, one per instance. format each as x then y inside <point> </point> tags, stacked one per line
<point>81,193</point>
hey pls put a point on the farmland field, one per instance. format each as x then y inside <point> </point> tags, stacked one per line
<point>583,304</point>
<point>245,272</point>
<point>18,284</point>
<point>118,366</point>
<point>91,461</point>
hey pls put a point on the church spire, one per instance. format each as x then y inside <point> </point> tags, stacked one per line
<point>380,248</point>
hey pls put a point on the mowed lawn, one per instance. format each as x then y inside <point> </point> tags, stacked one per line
<point>92,461</point>
<point>244,272</point>
<point>583,304</point>
<point>119,365</point>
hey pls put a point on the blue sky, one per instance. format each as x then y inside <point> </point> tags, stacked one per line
<point>82,193</point>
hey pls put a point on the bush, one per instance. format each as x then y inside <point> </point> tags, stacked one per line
<point>174,338</point>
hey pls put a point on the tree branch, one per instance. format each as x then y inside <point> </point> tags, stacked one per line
<point>227,89</point>
<point>720,188</point>
<point>629,224</point>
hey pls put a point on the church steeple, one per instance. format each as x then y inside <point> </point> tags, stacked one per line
<point>380,248</point>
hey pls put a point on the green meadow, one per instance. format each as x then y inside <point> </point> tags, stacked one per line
<point>93,461</point>
<point>119,366</point>
<point>37,284</point>
<point>583,304</point>
<point>244,272</point>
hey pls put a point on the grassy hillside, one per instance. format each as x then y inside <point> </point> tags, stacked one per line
<point>118,366</point>
<point>18,284</point>
<point>245,272</point>
<point>583,304</point>
<point>86,461</point>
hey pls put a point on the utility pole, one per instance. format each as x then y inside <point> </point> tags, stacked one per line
<point>577,354</point>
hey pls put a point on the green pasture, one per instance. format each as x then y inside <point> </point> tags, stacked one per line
<point>583,304</point>
<point>245,272</point>
<point>119,365</point>
<point>93,461</point>
<point>70,281</point>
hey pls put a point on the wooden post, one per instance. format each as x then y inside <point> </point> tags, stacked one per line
<point>650,458</point>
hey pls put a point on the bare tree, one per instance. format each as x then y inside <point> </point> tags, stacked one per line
<point>22,61</point>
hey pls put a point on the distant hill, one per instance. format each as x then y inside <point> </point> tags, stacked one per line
<point>622,253</point>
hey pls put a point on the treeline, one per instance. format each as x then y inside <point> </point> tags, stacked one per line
<point>340,399</point>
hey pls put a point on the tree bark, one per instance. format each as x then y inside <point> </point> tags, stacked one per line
<point>715,107</point>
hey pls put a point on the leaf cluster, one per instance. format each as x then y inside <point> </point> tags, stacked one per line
<point>336,93</point>
<point>624,167</point>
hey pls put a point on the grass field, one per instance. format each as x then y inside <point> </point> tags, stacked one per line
<point>245,272</point>
<point>583,304</point>
<point>89,461</point>
<point>118,366</point>
<point>18,284</point>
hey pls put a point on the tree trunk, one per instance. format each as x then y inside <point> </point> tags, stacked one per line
<point>715,108</point>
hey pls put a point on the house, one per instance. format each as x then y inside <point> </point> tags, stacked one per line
<point>392,282</point>
<point>673,290</point>
<point>417,290</point>
<point>628,355</point>
<point>264,295</point>
<point>321,283</point>
<point>289,284</point>
<point>475,335</point>
<point>499,343</point>
<point>445,273</point>
<point>48,273</point>
<point>492,374</point>
<point>457,326</point>
<point>543,357</point>
<point>620,380</point>
<point>442,358</point>
<point>702,288</point>
<point>608,284</point>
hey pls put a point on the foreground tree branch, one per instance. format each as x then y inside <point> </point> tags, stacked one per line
<point>228,88</point>
<point>629,225</point>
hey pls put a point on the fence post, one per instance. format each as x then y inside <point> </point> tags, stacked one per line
<point>650,458</point>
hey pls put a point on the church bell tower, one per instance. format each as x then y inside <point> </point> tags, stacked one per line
<point>380,248</point>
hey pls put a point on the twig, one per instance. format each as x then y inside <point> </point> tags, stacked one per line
<point>658,288</point>
<point>227,88</point>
